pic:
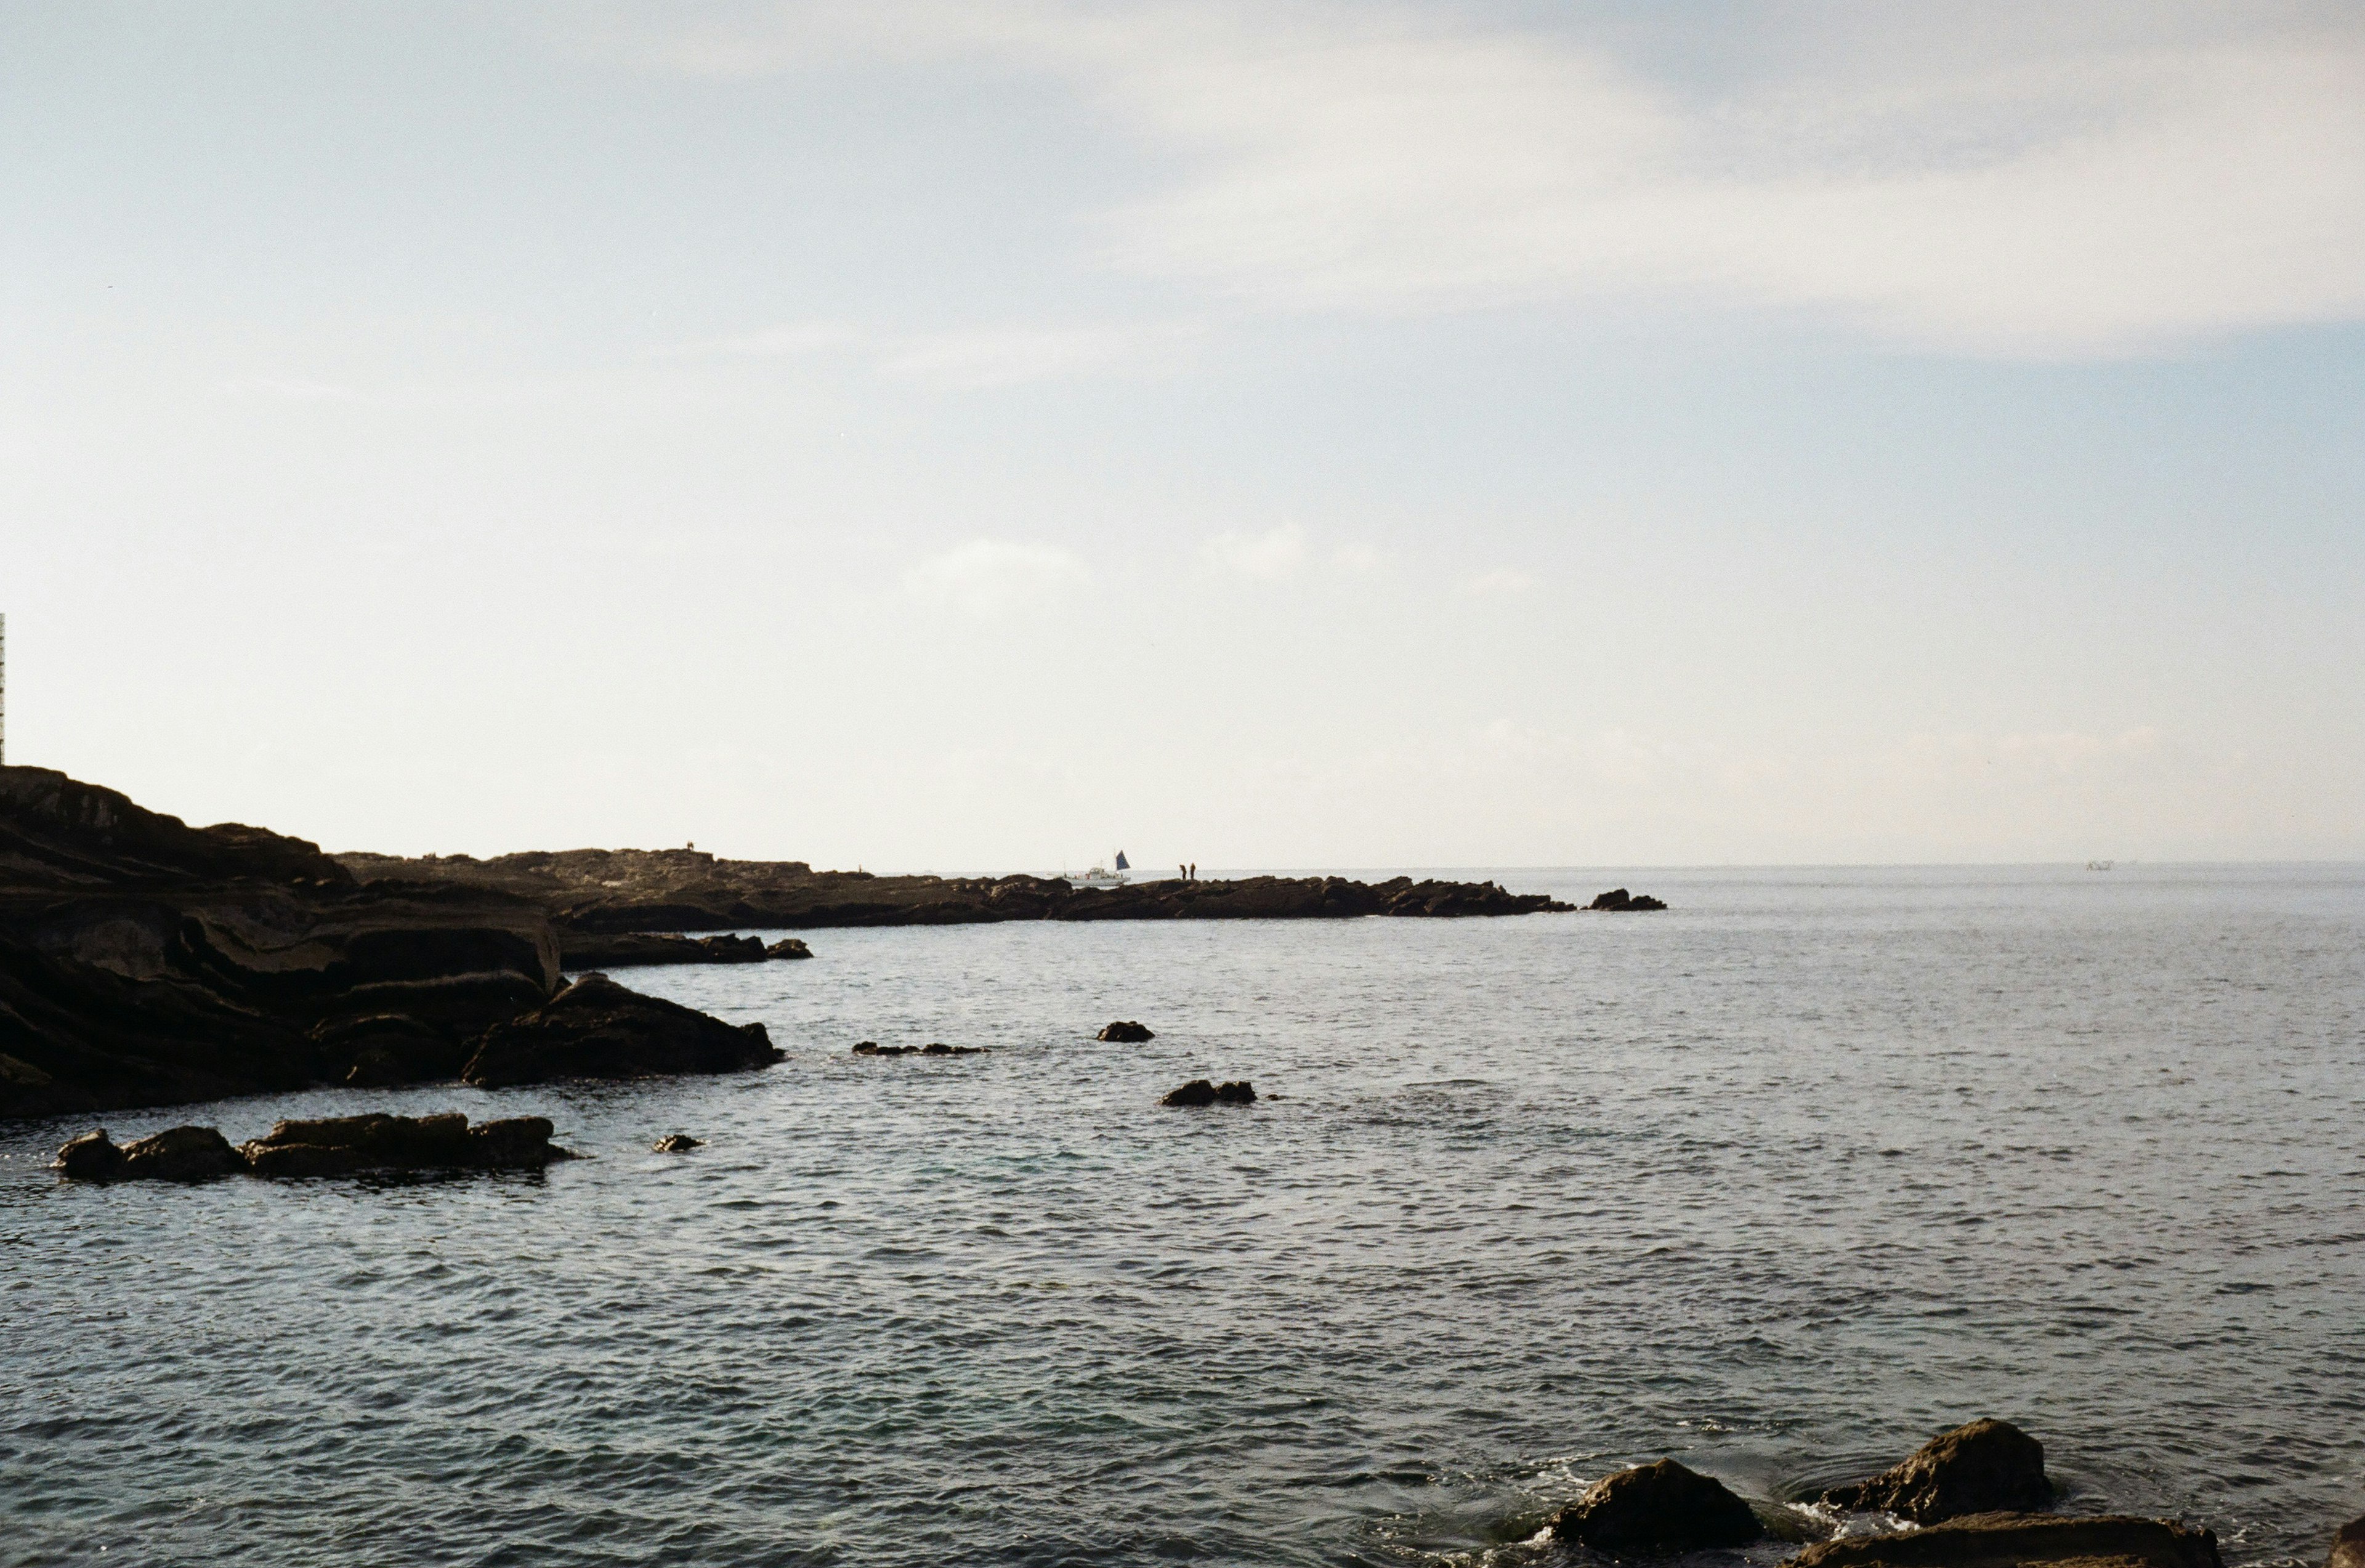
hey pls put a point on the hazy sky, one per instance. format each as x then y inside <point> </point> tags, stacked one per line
<point>977,436</point>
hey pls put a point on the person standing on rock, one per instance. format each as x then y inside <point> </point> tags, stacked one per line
<point>1191,872</point>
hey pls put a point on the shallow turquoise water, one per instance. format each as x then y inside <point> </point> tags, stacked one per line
<point>1782,1181</point>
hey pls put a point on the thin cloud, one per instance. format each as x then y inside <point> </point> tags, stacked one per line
<point>2107,184</point>
<point>1503,583</point>
<point>1007,356</point>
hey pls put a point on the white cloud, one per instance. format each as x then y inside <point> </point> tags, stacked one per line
<point>292,391</point>
<point>990,577</point>
<point>1005,356</point>
<point>793,340</point>
<point>2003,179</point>
<point>1268,557</point>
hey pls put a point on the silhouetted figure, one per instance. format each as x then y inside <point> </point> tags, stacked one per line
<point>1194,872</point>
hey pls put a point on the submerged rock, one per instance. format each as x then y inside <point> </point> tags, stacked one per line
<point>1657,1510</point>
<point>1984,1467</point>
<point>1125,1032</point>
<point>1201,1091</point>
<point>679,1143</point>
<point>343,1146</point>
<point>2347,1546</point>
<point>1618,901</point>
<point>2010,1540</point>
<point>595,1028</point>
<point>933,1048</point>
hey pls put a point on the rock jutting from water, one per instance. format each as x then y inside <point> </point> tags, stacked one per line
<point>676,1143</point>
<point>1618,901</point>
<point>147,962</point>
<point>1203,1091</point>
<point>933,1049</point>
<point>336,1146</point>
<point>1124,1031</point>
<point>1657,1510</point>
<point>1983,1467</point>
<point>2024,1541</point>
<point>595,1028</point>
<point>2347,1546</point>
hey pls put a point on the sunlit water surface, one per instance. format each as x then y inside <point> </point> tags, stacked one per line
<point>1782,1181</point>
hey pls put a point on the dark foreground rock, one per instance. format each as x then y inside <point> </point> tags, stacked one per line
<point>1126,1033</point>
<point>340,1146</point>
<point>2010,1540</point>
<point>933,1049</point>
<point>1201,1091</point>
<point>587,891</point>
<point>2347,1546</point>
<point>1984,1467</point>
<point>147,962</point>
<point>595,1028</point>
<point>1657,1510</point>
<point>1618,901</point>
<point>624,949</point>
<point>679,1143</point>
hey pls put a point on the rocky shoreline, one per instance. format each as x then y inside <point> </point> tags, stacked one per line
<point>588,892</point>
<point>1977,1497</point>
<point>147,962</point>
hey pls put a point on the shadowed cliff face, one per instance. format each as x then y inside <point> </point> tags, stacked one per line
<point>609,890</point>
<point>143,961</point>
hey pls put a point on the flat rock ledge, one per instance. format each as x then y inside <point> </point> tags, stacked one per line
<point>933,1049</point>
<point>2010,1540</point>
<point>1201,1091</point>
<point>595,1028</point>
<point>1657,1510</point>
<point>1983,1467</point>
<point>1125,1031</point>
<point>336,1146</point>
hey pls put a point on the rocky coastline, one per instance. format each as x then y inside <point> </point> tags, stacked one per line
<point>590,892</point>
<point>147,962</point>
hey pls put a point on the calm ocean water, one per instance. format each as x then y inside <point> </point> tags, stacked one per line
<point>1782,1181</point>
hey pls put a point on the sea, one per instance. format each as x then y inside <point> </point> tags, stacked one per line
<point>1780,1182</point>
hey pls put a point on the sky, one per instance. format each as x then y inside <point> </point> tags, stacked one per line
<point>981,436</point>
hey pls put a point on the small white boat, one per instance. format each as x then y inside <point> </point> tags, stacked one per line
<point>1102,875</point>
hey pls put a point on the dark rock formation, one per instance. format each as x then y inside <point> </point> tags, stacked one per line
<point>590,892</point>
<point>595,1028</point>
<point>1126,1034</point>
<point>1657,1510</point>
<point>1201,1091</point>
<point>389,1048</point>
<point>143,961</point>
<point>1618,901</point>
<point>343,1146</point>
<point>679,1143</point>
<point>177,1154</point>
<point>337,1147</point>
<point>2347,1546</point>
<point>90,1158</point>
<point>789,947</point>
<point>614,950</point>
<point>2010,1540</point>
<point>933,1048</point>
<point>1985,1467</point>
